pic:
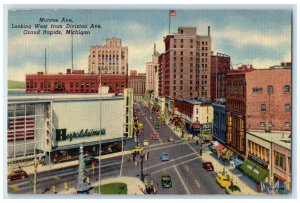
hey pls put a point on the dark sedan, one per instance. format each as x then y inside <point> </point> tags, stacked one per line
<point>208,166</point>
<point>16,175</point>
<point>90,160</point>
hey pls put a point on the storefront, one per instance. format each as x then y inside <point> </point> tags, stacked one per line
<point>256,173</point>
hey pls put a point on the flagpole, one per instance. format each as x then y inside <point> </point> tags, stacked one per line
<point>169,22</point>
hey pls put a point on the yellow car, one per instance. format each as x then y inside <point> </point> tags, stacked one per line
<point>137,149</point>
<point>233,190</point>
<point>223,180</point>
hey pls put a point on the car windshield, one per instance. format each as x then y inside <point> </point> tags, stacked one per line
<point>166,178</point>
<point>225,179</point>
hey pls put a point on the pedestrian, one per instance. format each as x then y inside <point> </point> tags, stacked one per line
<point>200,151</point>
<point>197,142</point>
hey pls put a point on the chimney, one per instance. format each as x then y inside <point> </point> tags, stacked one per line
<point>208,30</point>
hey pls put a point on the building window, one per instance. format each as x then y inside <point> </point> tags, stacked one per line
<point>196,110</point>
<point>279,160</point>
<point>257,90</point>
<point>270,89</point>
<point>263,108</point>
<point>196,118</point>
<point>262,124</point>
<point>287,107</point>
<point>288,125</point>
<point>286,89</point>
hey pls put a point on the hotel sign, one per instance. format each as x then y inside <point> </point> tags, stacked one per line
<point>62,135</point>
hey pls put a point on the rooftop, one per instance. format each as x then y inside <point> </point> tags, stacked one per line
<point>198,100</point>
<point>280,138</point>
<point>16,96</point>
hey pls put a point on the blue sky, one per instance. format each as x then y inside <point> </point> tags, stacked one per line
<point>261,38</point>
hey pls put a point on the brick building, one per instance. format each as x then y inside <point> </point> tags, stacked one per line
<point>111,58</point>
<point>71,82</point>
<point>220,65</point>
<point>185,65</point>
<point>74,82</point>
<point>137,81</point>
<point>257,100</point>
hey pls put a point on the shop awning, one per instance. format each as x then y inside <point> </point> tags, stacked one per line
<point>253,170</point>
<point>196,125</point>
<point>218,146</point>
<point>226,153</point>
<point>279,177</point>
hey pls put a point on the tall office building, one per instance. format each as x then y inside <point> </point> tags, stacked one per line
<point>186,65</point>
<point>150,71</point>
<point>111,58</point>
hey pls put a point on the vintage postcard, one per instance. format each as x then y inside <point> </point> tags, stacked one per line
<point>149,102</point>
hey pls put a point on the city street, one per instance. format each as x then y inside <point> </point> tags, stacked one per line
<point>184,166</point>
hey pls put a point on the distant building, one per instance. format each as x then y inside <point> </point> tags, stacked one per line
<point>197,114</point>
<point>137,82</point>
<point>151,68</point>
<point>74,82</point>
<point>71,82</point>
<point>257,100</point>
<point>110,58</point>
<point>220,65</point>
<point>185,66</point>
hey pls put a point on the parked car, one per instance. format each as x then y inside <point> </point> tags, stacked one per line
<point>16,175</point>
<point>170,139</point>
<point>137,149</point>
<point>233,190</point>
<point>154,136</point>
<point>89,160</point>
<point>223,180</point>
<point>166,180</point>
<point>146,143</point>
<point>164,156</point>
<point>208,166</point>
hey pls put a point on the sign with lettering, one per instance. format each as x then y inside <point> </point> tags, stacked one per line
<point>62,135</point>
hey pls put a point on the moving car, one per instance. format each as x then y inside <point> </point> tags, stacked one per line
<point>233,190</point>
<point>156,126</point>
<point>166,180</point>
<point>170,139</point>
<point>223,180</point>
<point>137,149</point>
<point>154,136</point>
<point>16,175</point>
<point>146,143</point>
<point>89,160</point>
<point>208,166</point>
<point>164,156</point>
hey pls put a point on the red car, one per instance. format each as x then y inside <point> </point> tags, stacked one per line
<point>208,166</point>
<point>154,136</point>
<point>16,175</point>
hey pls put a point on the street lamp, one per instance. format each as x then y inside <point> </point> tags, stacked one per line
<point>36,163</point>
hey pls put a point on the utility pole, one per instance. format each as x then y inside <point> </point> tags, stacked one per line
<point>142,156</point>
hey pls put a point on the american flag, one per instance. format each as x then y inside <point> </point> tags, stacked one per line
<point>172,12</point>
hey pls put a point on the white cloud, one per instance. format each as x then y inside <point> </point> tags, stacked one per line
<point>256,38</point>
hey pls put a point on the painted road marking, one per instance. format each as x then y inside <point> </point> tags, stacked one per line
<point>187,168</point>
<point>164,147</point>
<point>147,120</point>
<point>164,163</point>
<point>197,183</point>
<point>160,170</point>
<point>180,178</point>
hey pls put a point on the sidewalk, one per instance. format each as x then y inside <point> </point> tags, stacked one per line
<point>248,187</point>
<point>134,186</point>
<point>44,168</point>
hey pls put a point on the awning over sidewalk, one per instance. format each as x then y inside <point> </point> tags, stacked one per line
<point>218,146</point>
<point>254,170</point>
<point>226,153</point>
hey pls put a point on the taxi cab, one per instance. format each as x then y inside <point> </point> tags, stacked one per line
<point>137,149</point>
<point>223,180</point>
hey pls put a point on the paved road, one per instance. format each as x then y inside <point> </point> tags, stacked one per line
<point>184,166</point>
<point>109,168</point>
